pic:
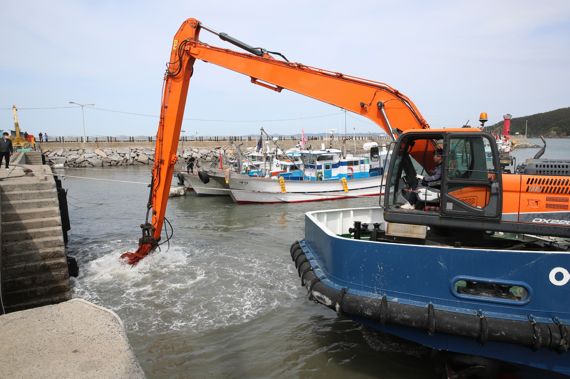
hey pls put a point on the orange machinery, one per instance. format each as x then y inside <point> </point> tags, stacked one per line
<point>379,102</point>
<point>387,107</point>
<point>18,141</point>
<point>473,193</point>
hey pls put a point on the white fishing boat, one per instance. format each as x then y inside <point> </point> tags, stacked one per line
<point>293,191</point>
<point>294,176</point>
<point>325,176</point>
<point>212,182</point>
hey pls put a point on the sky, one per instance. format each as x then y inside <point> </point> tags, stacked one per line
<point>453,59</point>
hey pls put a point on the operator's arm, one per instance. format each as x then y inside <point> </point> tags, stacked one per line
<point>436,175</point>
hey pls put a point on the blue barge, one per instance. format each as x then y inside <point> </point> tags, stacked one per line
<point>504,297</point>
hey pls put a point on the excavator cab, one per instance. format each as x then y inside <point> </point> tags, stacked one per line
<point>439,176</point>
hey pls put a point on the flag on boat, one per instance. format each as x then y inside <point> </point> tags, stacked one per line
<point>259,146</point>
<point>303,138</point>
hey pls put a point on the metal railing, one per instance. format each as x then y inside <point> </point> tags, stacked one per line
<point>135,139</point>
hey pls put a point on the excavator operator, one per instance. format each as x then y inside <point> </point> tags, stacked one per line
<point>435,178</point>
<point>428,191</point>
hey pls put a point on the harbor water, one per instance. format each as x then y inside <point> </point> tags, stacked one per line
<point>223,300</point>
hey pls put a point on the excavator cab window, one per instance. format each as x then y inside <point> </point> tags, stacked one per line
<point>413,160</point>
<point>451,174</point>
<point>471,184</point>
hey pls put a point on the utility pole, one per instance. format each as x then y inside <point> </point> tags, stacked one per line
<point>83,116</point>
<point>344,123</point>
<point>344,139</point>
<point>354,137</point>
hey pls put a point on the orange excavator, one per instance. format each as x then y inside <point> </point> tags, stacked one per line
<point>472,195</point>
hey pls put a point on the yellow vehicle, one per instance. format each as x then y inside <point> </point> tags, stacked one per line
<point>18,142</point>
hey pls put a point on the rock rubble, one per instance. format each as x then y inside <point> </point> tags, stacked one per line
<point>122,156</point>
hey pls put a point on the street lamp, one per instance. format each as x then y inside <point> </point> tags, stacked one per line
<point>83,116</point>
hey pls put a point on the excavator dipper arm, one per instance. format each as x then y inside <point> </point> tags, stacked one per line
<point>385,106</point>
<point>174,93</point>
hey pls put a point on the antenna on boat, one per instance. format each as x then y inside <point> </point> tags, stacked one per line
<point>331,137</point>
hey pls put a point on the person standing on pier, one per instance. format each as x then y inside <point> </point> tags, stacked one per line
<point>190,164</point>
<point>6,149</point>
<point>41,135</point>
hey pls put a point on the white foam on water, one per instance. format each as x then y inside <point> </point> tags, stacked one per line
<point>185,288</point>
<point>135,291</point>
<point>245,288</point>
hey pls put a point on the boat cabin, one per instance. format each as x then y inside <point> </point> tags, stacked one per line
<point>330,165</point>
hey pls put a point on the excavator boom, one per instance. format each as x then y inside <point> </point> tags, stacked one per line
<point>385,106</point>
<point>382,104</point>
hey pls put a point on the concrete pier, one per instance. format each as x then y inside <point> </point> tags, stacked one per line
<point>33,260</point>
<point>73,339</point>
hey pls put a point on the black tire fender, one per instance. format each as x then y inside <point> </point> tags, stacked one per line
<point>204,177</point>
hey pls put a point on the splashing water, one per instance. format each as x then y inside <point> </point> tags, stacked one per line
<point>225,299</point>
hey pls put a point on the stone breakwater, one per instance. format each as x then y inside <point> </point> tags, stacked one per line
<point>108,157</point>
<point>76,155</point>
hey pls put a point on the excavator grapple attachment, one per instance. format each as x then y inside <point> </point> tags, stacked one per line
<point>133,258</point>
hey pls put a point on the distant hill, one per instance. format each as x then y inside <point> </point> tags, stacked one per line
<point>548,124</point>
